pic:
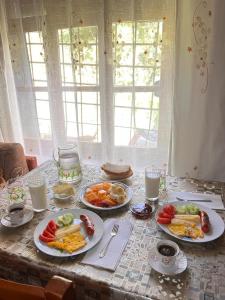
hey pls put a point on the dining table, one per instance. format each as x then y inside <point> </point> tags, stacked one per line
<point>133,279</point>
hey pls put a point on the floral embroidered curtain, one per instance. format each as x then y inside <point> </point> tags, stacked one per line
<point>198,139</point>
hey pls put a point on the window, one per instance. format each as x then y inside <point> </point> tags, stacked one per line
<point>80,68</point>
<point>99,77</point>
<point>136,76</point>
<point>36,56</point>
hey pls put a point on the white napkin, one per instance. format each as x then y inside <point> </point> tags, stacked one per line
<point>115,248</point>
<point>216,203</point>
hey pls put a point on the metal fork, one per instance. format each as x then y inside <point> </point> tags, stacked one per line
<point>112,233</point>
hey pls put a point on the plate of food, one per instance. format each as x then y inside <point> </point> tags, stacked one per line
<point>106,195</point>
<point>190,222</point>
<point>68,232</point>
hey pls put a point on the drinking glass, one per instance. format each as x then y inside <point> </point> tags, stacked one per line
<point>38,192</point>
<point>152,182</point>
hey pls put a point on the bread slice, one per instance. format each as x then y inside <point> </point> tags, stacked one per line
<point>114,169</point>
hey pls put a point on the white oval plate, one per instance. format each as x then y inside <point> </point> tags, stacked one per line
<point>91,241</point>
<point>128,190</point>
<point>216,222</point>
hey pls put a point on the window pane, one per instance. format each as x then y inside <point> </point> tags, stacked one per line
<point>88,55</point>
<point>71,129</point>
<point>70,112</point>
<point>123,32</point>
<point>69,96</point>
<point>68,73</point>
<point>88,75</point>
<point>43,109</point>
<point>123,76</point>
<point>142,118</point>
<point>143,100</point>
<point>146,56</point>
<point>122,136</point>
<point>41,95</point>
<point>37,53</point>
<point>35,37</point>
<point>123,99</point>
<point>122,116</point>
<point>154,120</point>
<point>123,55</point>
<point>147,32</point>
<point>144,76</point>
<point>89,114</point>
<point>45,128</point>
<point>39,71</point>
<point>89,97</point>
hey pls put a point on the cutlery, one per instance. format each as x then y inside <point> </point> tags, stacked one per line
<point>113,233</point>
<point>194,200</point>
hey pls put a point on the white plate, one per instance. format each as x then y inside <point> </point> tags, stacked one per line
<point>28,216</point>
<point>91,241</point>
<point>127,199</point>
<point>216,222</point>
<point>179,266</point>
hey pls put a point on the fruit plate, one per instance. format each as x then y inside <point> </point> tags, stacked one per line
<point>127,189</point>
<point>91,241</point>
<point>216,222</point>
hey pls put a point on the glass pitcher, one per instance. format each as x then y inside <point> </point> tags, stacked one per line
<point>69,169</point>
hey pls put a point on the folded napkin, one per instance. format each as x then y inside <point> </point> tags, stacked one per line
<point>216,203</point>
<point>115,248</point>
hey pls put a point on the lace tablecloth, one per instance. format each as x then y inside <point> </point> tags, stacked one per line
<point>133,278</point>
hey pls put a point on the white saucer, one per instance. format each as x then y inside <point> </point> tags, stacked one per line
<point>28,215</point>
<point>179,266</point>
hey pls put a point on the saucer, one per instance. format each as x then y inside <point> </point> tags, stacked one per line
<point>28,215</point>
<point>179,266</point>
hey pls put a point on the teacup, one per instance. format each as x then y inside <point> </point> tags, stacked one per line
<point>15,213</point>
<point>167,252</point>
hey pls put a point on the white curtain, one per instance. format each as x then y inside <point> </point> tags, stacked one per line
<point>95,72</point>
<point>10,124</point>
<point>198,131</point>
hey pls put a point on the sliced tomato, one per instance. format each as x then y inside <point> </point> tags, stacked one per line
<point>163,220</point>
<point>49,229</point>
<point>53,225</point>
<point>165,215</point>
<point>47,234</point>
<point>169,209</point>
<point>45,239</point>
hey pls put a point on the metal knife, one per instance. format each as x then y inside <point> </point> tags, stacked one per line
<point>194,200</point>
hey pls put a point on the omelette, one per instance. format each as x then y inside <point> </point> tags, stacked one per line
<point>69,243</point>
<point>185,231</point>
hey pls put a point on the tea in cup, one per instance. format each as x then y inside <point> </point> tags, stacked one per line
<point>167,252</point>
<point>15,213</point>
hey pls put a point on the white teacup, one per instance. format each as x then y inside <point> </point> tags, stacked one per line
<point>15,213</point>
<point>167,252</point>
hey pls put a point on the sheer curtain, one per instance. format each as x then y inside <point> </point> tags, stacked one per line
<point>198,131</point>
<point>96,72</point>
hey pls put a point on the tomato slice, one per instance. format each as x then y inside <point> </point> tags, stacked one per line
<point>53,225</point>
<point>45,239</point>
<point>47,234</point>
<point>163,220</point>
<point>49,229</point>
<point>169,209</point>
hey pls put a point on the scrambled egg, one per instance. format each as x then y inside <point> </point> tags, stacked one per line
<point>186,231</point>
<point>69,243</point>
